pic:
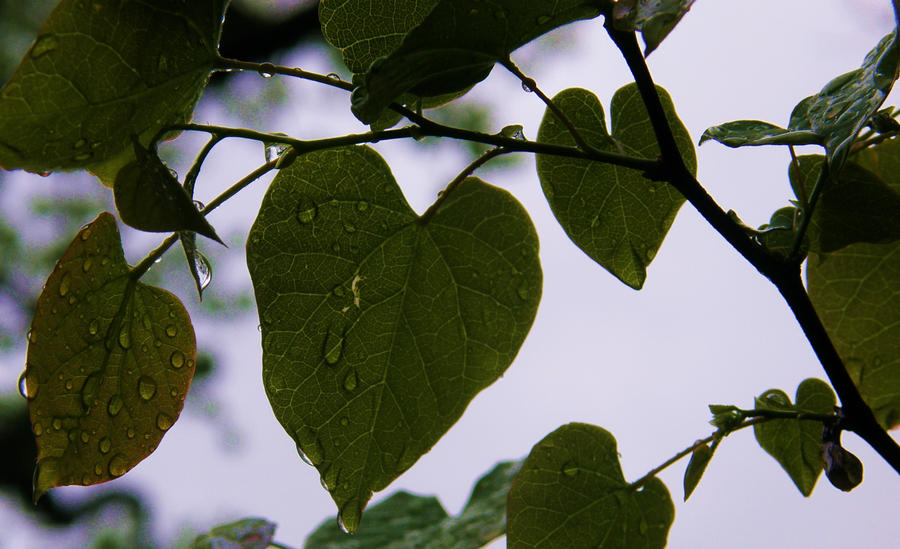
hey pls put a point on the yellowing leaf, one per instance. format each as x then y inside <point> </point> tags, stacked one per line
<point>101,72</point>
<point>109,363</point>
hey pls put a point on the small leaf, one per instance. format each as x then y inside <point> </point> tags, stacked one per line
<point>457,45</point>
<point>744,133</point>
<point>696,467</point>
<point>378,326</point>
<point>571,493</point>
<point>149,198</point>
<point>794,443</point>
<point>614,214</point>
<point>109,363</point>
<point>406,520</point>
<point>843,469</point>
<point>778,234</point>
<point>845,105</point>
<point>654,18</point>
<point>100,73</point>
<point>250,533</point>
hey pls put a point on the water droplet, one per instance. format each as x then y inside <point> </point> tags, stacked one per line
<point>351,381</point>
<point>86,266</point>
<point>117,466</point>
<point>266,70</point>
<point>177,359</point>
<point>69,385</point>
<point>105,445</point>
<point>345,421</point>
<point>89,389</point>
<point>57,424</point>
<point>80,143</point>
<point>329,478</point>
<point>338,291</point>
<point>125,337</point>
<point>334,76</point>
<point>523,291</point>
<point>306,210</point>
<point>38,429</point>
<point>163,422</point>
<point>94,327</point>
<point>349,227</point>
<point>43,45</point>
<point>362,206</point>
<point>31,336</point>
<point>570,469</point>
<point>146,387</point>
<point>203,269</point>
<point>349,515</point>
<point>85,437</point>
<point>334,346</point>
<point>98,470</point>
<point>115,405</point>
<point>171,330</point>
<point>64,285</point>
<point>528,85</point>
<point>83,156</point>
<point>309,447</point>
<point>28,385</point>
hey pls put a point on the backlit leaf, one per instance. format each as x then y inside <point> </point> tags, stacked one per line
<point>571,493</point>
<point>796,444</point>
<point>654,18</point>
<point>149,198</point>
<point>379,326</point>
<point>406,520</point>
<point>109,363</point>
<point>101,72</point>
<point>696,467</point>
<point>250,533</point>
<point>745,133</point>
<point>614,214</point>
<point>844,106</point>
<point>456,46</point>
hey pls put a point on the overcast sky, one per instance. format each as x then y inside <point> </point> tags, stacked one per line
<point>705,329</point>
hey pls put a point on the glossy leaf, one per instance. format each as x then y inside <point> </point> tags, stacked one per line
<point>101,72</point>
<point>250,533</point>
<point>379,326</point>
<point>844,106</point>
<point>456,46</point>
<point>748,133</point>
<point>109,363</point>
<point>856,206</point>
<point>796,444</point>
<point>654,18</point>
<point>843,469</point>
<point>571,493</point>
<point>614,214</point>
<point>700,458</point>
<point>149,198</point>
<point>406,520</point>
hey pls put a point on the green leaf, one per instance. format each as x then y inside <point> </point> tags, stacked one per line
<point>778,234</point>
<point>149,198</point>
<point>614,214</point>
<point>654,18</point>
<point>844,106</point>
<point>456,46</point>
<point>109,363</point>
<point>696,467</point>
<point>250,533</point>
<point>378,326</point>
<point>571,493</point>
<point>856,206</point>
<point>749,133</point>
<point>406,520</point>
<point>794,443</point>
<point>100,73</point>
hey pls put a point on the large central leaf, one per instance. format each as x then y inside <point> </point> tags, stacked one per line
<point>100,72</point>
<point>379,327</point>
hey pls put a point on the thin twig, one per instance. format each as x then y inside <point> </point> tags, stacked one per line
<point>463,175</point>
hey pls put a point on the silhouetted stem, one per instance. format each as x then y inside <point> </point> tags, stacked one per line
<point>448,190</point>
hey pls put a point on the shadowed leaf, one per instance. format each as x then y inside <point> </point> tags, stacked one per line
<point>796,444</point>
<point>101,72</point>
<point>109,363</point>
<point>406,520</point>
<point>614,214</point>
<point>696,467</point>
<point>250,533</point>
<point>748,133</point>
<point>379,326</point>
<point>571,493</point>
<point>654,18</point>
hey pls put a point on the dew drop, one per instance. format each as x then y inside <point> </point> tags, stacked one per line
<point>163,421</point>
<point>69,385</point>
<point>31,337</point>
<point>349,227</point>
<point>523,291</point>
<point>86,266</point>
<point>28,385</point>
<point>105,445</point>
<point>334,346</point>
<point>43,45</point>
<point>115,405</point>
<point>89,389</point>
<point>349,515</point>
<point>146,387</point>
<point>266,70</point>
<point>125,337</point>
<point>83,156</point>
<point>57,424</point>
<point>309,447</point>
<point>306,211</point>
<point>351,381</point>
<point>117,466</point>
<point>38,429</point>
<point>329,478</point>
<point>338,291</point>
<point>80,143</point>
<point>345,421</point>
<point>362,206</point>
<point>177,359</point>
<point>64,285</point>
<point>85,437</point>
<point>98,470</point>
<point>171,330</point>
<point>203,269</point>
<point>94,327</point>
<point>129,433</point>
<point>570,469</point>
<point>528,85</point>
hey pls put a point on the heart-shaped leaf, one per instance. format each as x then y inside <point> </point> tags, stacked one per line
<point>101,72</point>
<point>796,444</point>
<point>571,493</point>
<point>378,326</point>
<point>456,46</point>
<point>614,214</point>
<point>406,520</point>
<point>109,363</point>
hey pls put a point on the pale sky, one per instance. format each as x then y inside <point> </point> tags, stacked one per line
<point>705,329</point>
